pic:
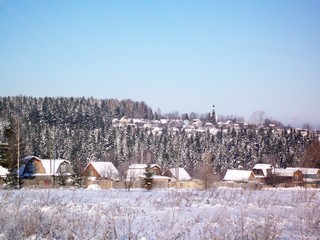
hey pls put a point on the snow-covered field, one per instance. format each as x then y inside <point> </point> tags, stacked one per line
<point>220,213</point>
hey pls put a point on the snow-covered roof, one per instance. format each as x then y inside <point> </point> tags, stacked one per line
<point>159,177</point>
<point>138,120</point>
<point>307,171</point>
<point>28,158</point>
<point>105,169</point>
<point>138,170</point>
<point>3,172</point>
<point>142,166</point>
<point>284,172</point>
<point>264,167</point>
<point>164,121</point>
<point>137,166</point>
<point>180,174</point>
<point>51,166</point>
<point>124,119</point>
<point>238,175</point>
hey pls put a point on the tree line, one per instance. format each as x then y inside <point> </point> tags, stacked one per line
<point>81,130</point>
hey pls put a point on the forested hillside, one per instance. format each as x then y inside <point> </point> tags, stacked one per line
<point>81,130</point>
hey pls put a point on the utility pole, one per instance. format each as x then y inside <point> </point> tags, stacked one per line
<point>18,156</point>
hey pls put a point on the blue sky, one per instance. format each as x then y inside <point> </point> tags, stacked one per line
<point>242,56</point>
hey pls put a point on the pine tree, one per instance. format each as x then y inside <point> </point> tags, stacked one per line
<point>148,181</point>
<point>13,152</point>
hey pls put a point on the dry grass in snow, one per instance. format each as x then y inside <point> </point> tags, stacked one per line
<point>220,213</point>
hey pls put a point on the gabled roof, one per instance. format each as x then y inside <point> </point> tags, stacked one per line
<point>307,171</point>
<point>105,169</point>
<point>142,166</point>
<point>50,166</point>
<point>238,175</point>
<point>264,167</point>
<point>180,174</point>
<point>284,172</point>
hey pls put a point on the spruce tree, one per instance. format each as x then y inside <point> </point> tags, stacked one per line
<point>148,181</point>
<point>13,152</point>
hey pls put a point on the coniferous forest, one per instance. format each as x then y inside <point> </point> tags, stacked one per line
<point>83,129</point>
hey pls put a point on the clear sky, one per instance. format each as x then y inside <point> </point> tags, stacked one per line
<point>176,55</point>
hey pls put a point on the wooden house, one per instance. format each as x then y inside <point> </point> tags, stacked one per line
<point>136,171</point>
<point>35,167</point>
<point>285,176</point>
<point>177,174</point>
<point>239,176</point>
<point>100,170</point>
<point>310,175</point>
<point>261,171</point>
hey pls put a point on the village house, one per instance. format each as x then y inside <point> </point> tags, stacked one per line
<point>100,170</point>
<point>136,174</point>
<point>239,176</point>
<point>310,175</point>
<point>265,173</point>
<point>136,171</point>
<point>46,170</point>
<point>261,171</point>
<point>102,174</point>
<point>285,176</point>
<point>177,174</point>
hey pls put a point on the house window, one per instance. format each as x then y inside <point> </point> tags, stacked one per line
<point>63,168</point>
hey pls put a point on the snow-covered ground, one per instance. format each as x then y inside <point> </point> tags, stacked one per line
<point>220,213</point>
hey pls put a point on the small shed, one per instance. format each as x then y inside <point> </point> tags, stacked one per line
<point>239,175</point>
<point>100,170</point>
<point>179,174</point>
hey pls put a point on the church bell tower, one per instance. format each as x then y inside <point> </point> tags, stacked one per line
<point>213,115</point>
